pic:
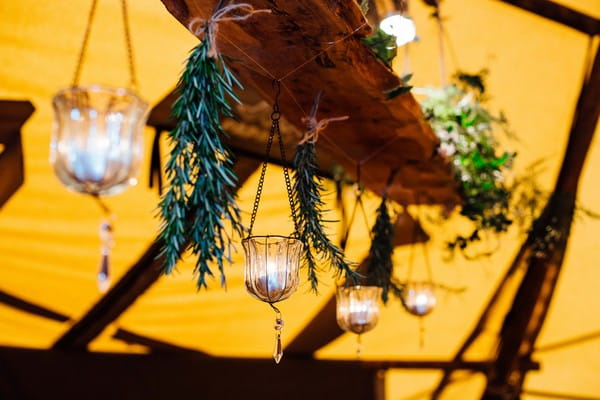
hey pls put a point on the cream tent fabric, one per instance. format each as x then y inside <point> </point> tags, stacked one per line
<point>48,236</point>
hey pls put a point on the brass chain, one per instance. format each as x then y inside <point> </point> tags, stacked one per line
<point>130,58</point>
<point>128,44</point>
<point>275,117</point>
<point>86,37</point>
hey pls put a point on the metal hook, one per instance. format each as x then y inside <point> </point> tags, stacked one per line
<point>277,87</point>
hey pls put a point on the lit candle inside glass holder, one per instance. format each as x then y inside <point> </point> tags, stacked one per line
<point>272,274</point>
<point>357,308</point>
<point>272,267</point>
<point>97,144</point>
<point>418,298</point>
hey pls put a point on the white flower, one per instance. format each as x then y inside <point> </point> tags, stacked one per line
<point>447,149</point>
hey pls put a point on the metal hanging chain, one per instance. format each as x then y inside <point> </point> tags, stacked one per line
<point>275,117</point>
<point>128,44</point>
<point>130,58</point>
<point>86,37</point>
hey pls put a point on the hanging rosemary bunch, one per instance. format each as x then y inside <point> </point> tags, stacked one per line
<point>379,262</point>
<point>309,206</point>
<point>200,196</point>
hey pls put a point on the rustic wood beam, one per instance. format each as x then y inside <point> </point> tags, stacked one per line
<point>529,309</point>
<point>155,346</point>
<point>315,46</point>
<point>31,308</point>
<point>132,285</point>
<point>569,342</point>
<point>36,374</point>
<point>558,396</point>
<point>482,321</point>
<point>559,13</point>
<point>13,115</point>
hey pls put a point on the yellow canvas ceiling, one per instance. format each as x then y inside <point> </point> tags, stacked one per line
<point>48,236</point>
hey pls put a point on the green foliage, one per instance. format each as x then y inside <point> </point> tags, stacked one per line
<point>200,197</point>
<point>364,6</point>
<point>402,89</point>
<point>397,91</point>
<point>379,261</point>
<point>466,131</point>
<point>383,45</point>
<point>309,207</point>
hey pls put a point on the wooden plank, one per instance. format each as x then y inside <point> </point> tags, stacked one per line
<point>559,13</point>
<point>44,374</point>
<point>13,115</point>
<point>529,309</point>
<point>31,308</point>
<point>133,284</point>
<point>380,134</point>
<point>155,346</point>
<point>416,181</point>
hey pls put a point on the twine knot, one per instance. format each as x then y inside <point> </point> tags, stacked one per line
<point>315,127</point>
<point>208,28</point>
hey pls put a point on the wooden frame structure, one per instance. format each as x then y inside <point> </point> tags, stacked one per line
<point>522,325</point>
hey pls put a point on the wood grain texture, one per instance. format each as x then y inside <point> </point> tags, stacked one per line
<point>324,37</point>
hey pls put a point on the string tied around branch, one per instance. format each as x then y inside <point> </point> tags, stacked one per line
<point>208,28</point>
<point>315,127</point>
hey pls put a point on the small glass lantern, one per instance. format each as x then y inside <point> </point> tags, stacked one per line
<point>357,309</point>
<point>97,148</point>
<point>418,298</point>
<point>272,274</point>
<point>272,267</point>
<point>97,144</point>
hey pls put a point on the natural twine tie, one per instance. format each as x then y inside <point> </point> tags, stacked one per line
<point>315,127</point>
<point>201,27</point>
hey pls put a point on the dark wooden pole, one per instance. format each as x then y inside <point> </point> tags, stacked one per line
<point>559,13</point>
<point>525,319</point>
<point>132,285</point>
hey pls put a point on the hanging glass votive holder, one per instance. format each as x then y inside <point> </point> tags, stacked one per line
<point>272,267</point>
<point>97,143</point>
<point>97,147</point>
<point>272,274</point>
<point>357,309</point>
<point>418,298</point>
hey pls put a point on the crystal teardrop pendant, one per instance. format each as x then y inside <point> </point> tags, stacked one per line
<point>278,350</point>
<point>103,278</point>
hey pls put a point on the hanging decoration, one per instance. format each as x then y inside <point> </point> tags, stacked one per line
<point>357,310</point>
<point>200,196</point>
<point>308,202</point>
<point>97,142</point>
<point>272,262</point>
<point>418,297</point>
<point>379,262</point>
<point>466,129</point>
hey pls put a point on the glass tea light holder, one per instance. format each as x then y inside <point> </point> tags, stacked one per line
<point>357,310</point>
<point>272,274</point>
<point>96,148</point>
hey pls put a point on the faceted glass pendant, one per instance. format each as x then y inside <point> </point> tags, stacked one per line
<point>97,144</point>
<point>107,242</point>
<point>357,308</point>
<point>418,298</point>
<point>272,267</point>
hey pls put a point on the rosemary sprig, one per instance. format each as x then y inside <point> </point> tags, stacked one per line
<point>309,206</point>
<point>379,262</point>
<point>200,197</point>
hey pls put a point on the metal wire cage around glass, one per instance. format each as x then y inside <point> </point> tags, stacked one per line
<point>272,266</point>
